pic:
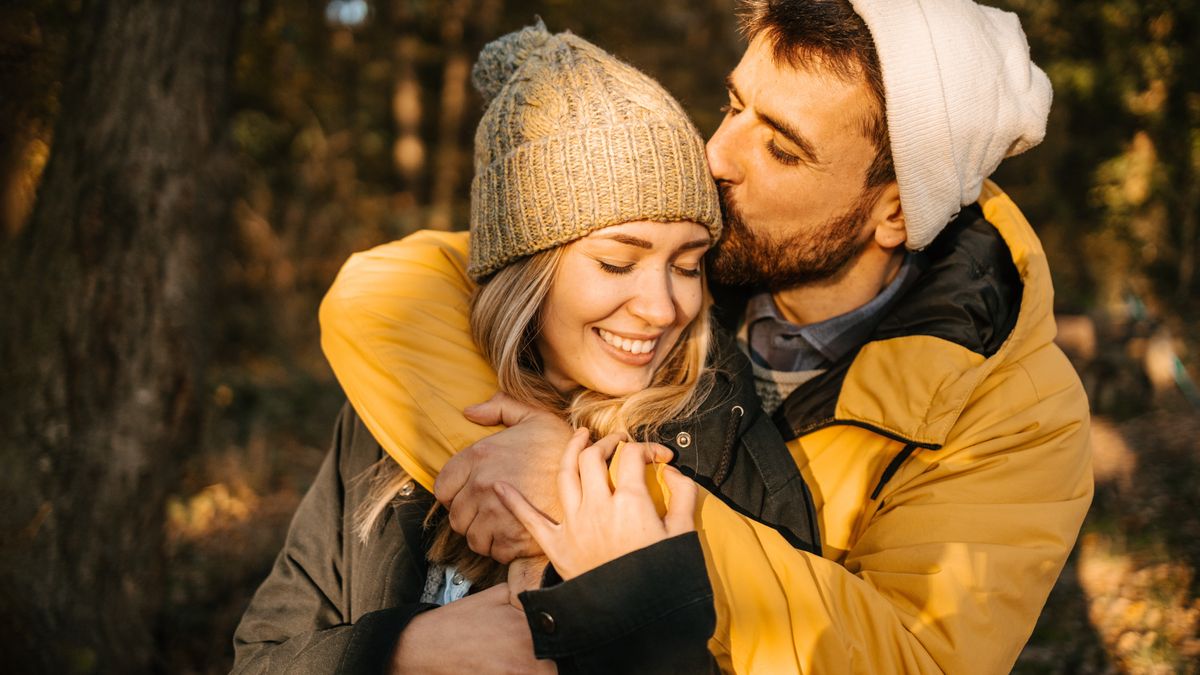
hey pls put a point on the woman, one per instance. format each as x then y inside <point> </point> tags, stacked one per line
<point>591,213</point>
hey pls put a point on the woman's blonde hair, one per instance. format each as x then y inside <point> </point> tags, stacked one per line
<point>505,320</point>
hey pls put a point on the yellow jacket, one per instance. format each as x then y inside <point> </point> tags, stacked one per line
<point>948,458</point>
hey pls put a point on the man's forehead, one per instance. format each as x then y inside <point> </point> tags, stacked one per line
<point>797,95</point>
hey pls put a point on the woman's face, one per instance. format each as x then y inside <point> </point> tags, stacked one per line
<point>621,297</point>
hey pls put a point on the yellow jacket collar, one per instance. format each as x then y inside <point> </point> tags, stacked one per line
<point>913,378</point>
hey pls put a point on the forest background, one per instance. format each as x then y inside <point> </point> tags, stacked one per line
<point>180,182</point>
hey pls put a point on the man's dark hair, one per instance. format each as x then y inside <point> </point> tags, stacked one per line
<point>829,35</point>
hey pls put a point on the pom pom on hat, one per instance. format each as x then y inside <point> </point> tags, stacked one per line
<point>961,95</point>
<point>503,57</point>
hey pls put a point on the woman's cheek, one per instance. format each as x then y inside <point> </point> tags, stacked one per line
<point>691,298</point>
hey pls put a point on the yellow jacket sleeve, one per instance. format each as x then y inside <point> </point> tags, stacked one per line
<point>395,329</point>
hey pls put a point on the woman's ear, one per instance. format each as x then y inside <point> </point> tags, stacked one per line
<point>888,217</point>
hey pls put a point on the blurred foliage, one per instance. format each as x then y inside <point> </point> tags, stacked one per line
<point>1115,189</point>
<point>354,121</point>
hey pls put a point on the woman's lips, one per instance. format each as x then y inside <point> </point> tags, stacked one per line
<point>633,345</point>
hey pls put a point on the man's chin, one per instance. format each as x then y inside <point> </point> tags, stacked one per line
<point>743,260</point>
<point>746,262</point>
<point>740,260</point>
<point>776,271</point>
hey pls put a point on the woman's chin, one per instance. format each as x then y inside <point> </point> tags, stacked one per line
<point>617,387</point>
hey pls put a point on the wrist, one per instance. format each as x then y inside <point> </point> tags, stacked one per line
<point>661,592</point>
<point>407,655</point>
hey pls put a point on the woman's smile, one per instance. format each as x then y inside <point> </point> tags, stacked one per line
<point>638,351</point>
<point>621,298</point>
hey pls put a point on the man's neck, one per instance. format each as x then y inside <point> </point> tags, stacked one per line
<point>865,277</point>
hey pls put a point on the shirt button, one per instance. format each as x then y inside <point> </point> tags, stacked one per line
<point>406,490</point>
<point>684,439</point>
<point>545,622</point>
<point>458,579</point>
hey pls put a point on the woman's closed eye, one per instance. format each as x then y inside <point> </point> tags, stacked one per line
<point>615,269</point>
<point>682,270</point>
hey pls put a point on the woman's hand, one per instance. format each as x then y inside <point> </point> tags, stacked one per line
<point>601,524</point>
<point>525,574</point>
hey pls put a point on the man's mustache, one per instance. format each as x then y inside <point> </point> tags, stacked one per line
<point>731,215</point>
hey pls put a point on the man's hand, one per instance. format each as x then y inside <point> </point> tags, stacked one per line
<point>525,455</point>
<point>480,634</point>
<point>603,523</point>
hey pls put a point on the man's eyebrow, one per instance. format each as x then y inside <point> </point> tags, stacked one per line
<point>732,87</point>
<point>783,128</point>
<point>789,132</point>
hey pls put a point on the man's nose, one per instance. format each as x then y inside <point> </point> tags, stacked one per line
<point>721,150</point>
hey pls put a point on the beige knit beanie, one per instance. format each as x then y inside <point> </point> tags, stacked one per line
<point>961,95</point>
<point>574,140</point>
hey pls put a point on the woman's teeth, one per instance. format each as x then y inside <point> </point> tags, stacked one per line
<point>625,344</point>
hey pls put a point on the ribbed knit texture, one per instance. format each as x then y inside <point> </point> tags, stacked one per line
<point>572,141</point>
<point>961,95</point>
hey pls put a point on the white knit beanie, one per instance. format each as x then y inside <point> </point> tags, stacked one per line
<point>961,95</point>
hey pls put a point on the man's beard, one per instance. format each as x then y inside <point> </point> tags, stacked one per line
<point>806,257</point>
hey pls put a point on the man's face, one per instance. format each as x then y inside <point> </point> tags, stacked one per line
<point>791,159</point>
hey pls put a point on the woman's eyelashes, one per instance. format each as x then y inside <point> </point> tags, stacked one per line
<point>689,272</point>
<point>615,269</point>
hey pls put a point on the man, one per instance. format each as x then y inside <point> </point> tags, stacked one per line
<point>898,311</point>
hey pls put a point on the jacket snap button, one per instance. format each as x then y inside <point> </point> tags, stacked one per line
<point>545,623</point>
<point>406,490</point>
<point>684,439</point>
<point>457,579</point>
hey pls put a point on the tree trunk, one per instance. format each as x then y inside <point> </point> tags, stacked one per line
<point>101,296</point>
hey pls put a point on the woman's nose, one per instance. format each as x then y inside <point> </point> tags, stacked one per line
<point>654,302</point>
